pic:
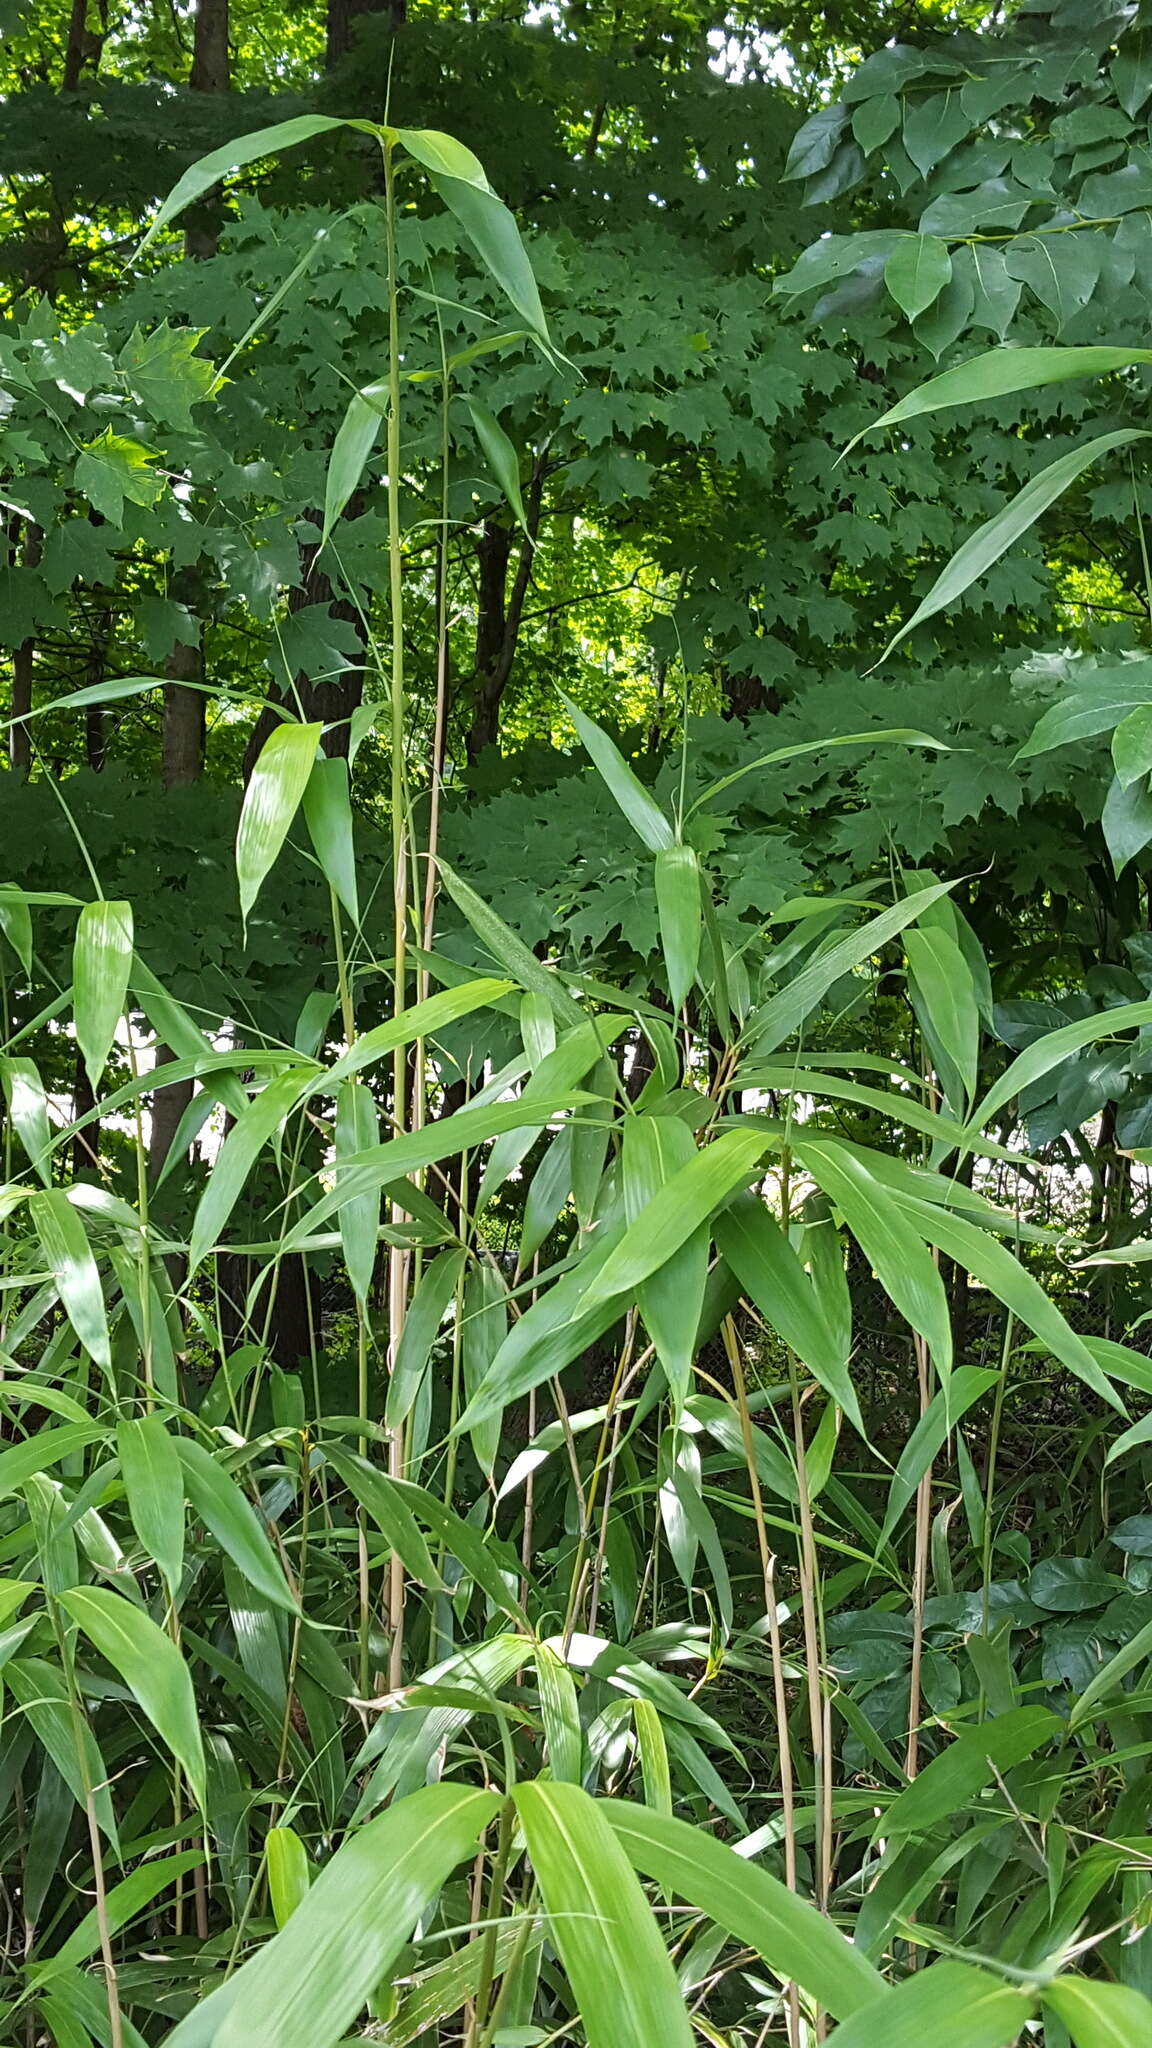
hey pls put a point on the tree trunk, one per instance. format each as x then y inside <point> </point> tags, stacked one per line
<point>20,742</point>
<point>499,613</point>
<point>343,16</point>
<point>183,739</point>
<point>210,68</point>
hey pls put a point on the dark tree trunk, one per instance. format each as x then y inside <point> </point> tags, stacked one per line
<point>20,742</point>
<point>499,614</point>
<point>343,16</point>
<point>82,47</point>
<point>210,68</point>
<point>183,740</point>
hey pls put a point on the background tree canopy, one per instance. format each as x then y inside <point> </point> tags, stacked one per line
<point>576,1016</point>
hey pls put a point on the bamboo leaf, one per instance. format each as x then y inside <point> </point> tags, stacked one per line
<point>356,437</point>
<point>234,156</point>
<point>328,816</point>
<point>1101,2015</point>
<point>955,1777</point>
<point>309,1982</point>
<point>950,2005</point>
<point>513,955</point>
<point>641,810</point>
<point>271,800</point>
<point>101,960</point>
<point>1001,372</point>
<point>678,885</point>
<point>357,1129</point>
<point>379,1493</point>
<point>994,1265</point>
<point>783,1014</point>
<point>154,1483</point>
<point>495,237</point>
<point>892,1243</point>
<point>238,1155</point>
<point>600,1921</point>
<point>997,535</point>
<point>773,1277</point>
<point>151,1667</point>
<point>500,455</point>
<point>232,1521</point>
<point>683,1204</point>
<point>438,1284</point>
<point>289,1874</point>
<point>68,1254</point>
<point>796,1941</point>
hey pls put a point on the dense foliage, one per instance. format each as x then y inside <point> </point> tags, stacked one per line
<point>576,1024</point>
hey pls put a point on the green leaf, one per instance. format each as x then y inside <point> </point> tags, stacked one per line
<point>165,373</point>
<point>513,955</point>
<point>600,1921</point>
<point>227,1516</point>
<point>796,1941</point>
<point>388,1163</point>
<point>1052,1050</point>
<point>945,998</point>
<point>495,237</point>
<point>443,154</point>
<point>233,156</point>
<point>68,1254</point>
<point>113,468</point>
<point>271,800</point>
<point>101,960</point>
<point>309,1982</point>
<point>964,1387</point>
<point>995,1267</point>
<point>893,1245</point>
<point>328,816</point>
<point>38,1453</point>
<point>289,1873</point>
<point>238,1154</point>
<point>1105,1681</point>
<point>1126,821</point>
<point>783,1014</point>
<point>997,535</point>
<point>154,1483</point>
<point>772,1276</point>
<point>28,1109</point>
<point>356,437</point>
<point>421,1020</point>
<point>953,1779</point>
<point>151,1667</point>
<point>357,1128</point>
<point>560,1713</point>
<point>884,736</point>
<point>685,1202</point>
<point>678,885</point>
<point>641,810</point>
<point>949,2005</point>
<point>1101,2015</point>
<point>1100,703</point>
<point>1132,745</point>
<point>1001,372</point>
<point>16,918</point>
<point>500,455</point>
<point>916,273</point>
<point>377,1492</point>
<point>654,1149</point>
<point>122,1904</point>
<point>438,1284</point>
